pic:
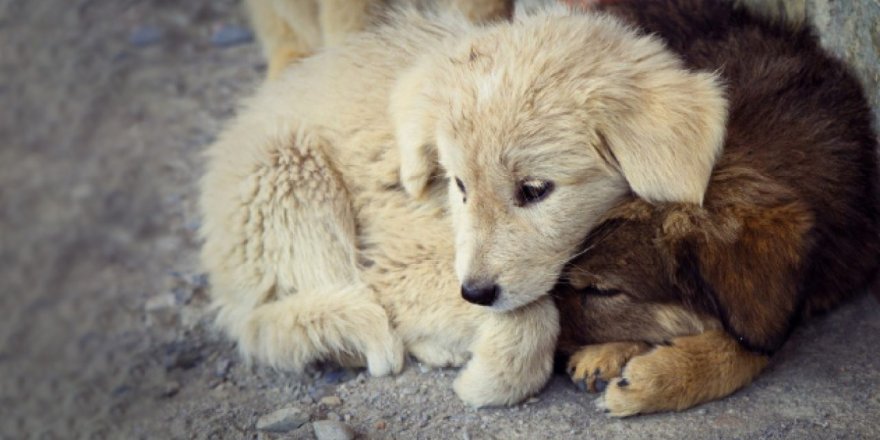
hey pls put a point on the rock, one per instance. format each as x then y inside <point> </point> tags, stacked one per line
<point>332,430</point>
<point>331,401</point>
<point>319,391</point>
<point>170,389</point>
<point>282,420</point>
<point>222,368</point>
<point>181,355</point>
<point>145,35</point>
<point>229,35</point>
<point>160,302</point>
<point>182,295</point>
<point>381,425</point>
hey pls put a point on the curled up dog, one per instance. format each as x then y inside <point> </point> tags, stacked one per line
<point>672,305</point>
<point>358,197</point>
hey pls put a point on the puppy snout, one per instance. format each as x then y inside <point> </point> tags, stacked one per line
<point>483,294</point>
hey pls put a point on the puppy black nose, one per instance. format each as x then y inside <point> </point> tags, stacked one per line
<point>482,294</point>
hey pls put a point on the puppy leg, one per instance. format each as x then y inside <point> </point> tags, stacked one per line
<point>339,18</point>
<point>286,29</point>
<point>693,370</point>
<point>593,366</point>
<point>279,245</point>
<point>512,356</point>
<point>483,11</point>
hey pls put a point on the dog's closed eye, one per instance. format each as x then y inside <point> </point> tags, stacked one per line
<point>531,191</point>
<point>595,290</point>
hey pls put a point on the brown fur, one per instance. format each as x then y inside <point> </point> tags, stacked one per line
<point>788,228</point>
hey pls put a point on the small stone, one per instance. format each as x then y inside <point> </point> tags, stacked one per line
<point>146,35</point>
<point>229,35</point>
<point>318,392</point>
<point>182,295</point>
<point>381,425</point>
<point>170,389</point>
<point>532,400</point>
<point>331,401</point>
<point>222,368</point>
<point>181,355</point>
<point>333,416</point>
<point>282,420</point>
<point>160,302</point>
<point>332,430</point>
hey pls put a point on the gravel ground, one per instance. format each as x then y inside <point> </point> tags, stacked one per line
<point>106,106</point>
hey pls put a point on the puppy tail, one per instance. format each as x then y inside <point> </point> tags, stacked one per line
<point>341,323</point>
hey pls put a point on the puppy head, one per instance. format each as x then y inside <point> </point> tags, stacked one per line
<point>541,126</point>
<point>738,260</point>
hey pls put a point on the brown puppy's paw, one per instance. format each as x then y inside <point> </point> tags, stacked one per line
<point>693,370</point>
<point>593,366</point>
<point>657,381</point>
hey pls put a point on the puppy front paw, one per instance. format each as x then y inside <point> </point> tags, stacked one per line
<point>593,366</point>
<point>481,385</point>
<point>658,381</point>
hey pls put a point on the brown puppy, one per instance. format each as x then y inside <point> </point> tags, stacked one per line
<point>672,305</point>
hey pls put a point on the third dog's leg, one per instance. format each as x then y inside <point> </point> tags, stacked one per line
<point>512,355</point>
<point>287,30</point>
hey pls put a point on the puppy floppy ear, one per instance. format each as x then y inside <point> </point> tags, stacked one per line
<point>414,119</point>
<point>663,129</point>
<point>748,276</point>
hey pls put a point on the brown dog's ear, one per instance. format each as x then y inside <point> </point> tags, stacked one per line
<point>750,279</point>
<point>663,127</point>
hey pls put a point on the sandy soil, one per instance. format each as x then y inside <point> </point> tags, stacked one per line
<point>105,106</point>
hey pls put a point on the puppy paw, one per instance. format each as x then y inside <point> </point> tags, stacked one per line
<point>692,370</point>
<point>385,356</point>
<point>478,389</point>
<point>479,385</point>
<point>650,383</point>
<point>594,366</point>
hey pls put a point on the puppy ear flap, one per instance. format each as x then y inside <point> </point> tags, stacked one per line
<point>665,131</point>
<point>415,122</point>
<point>750,278</point>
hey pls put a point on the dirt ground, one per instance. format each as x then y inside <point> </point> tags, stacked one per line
<point>105,106</point>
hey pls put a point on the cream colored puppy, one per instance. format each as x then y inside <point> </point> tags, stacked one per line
<point>316,251</point>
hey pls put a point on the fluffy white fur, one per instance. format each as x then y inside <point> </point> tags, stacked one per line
<point>316,251</point>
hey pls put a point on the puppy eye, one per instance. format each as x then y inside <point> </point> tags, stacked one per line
<point>461,188</point>
<point>533,191</point>
<point>593,290</point>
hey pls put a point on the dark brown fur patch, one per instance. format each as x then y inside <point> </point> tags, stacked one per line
<point>789,226</point>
